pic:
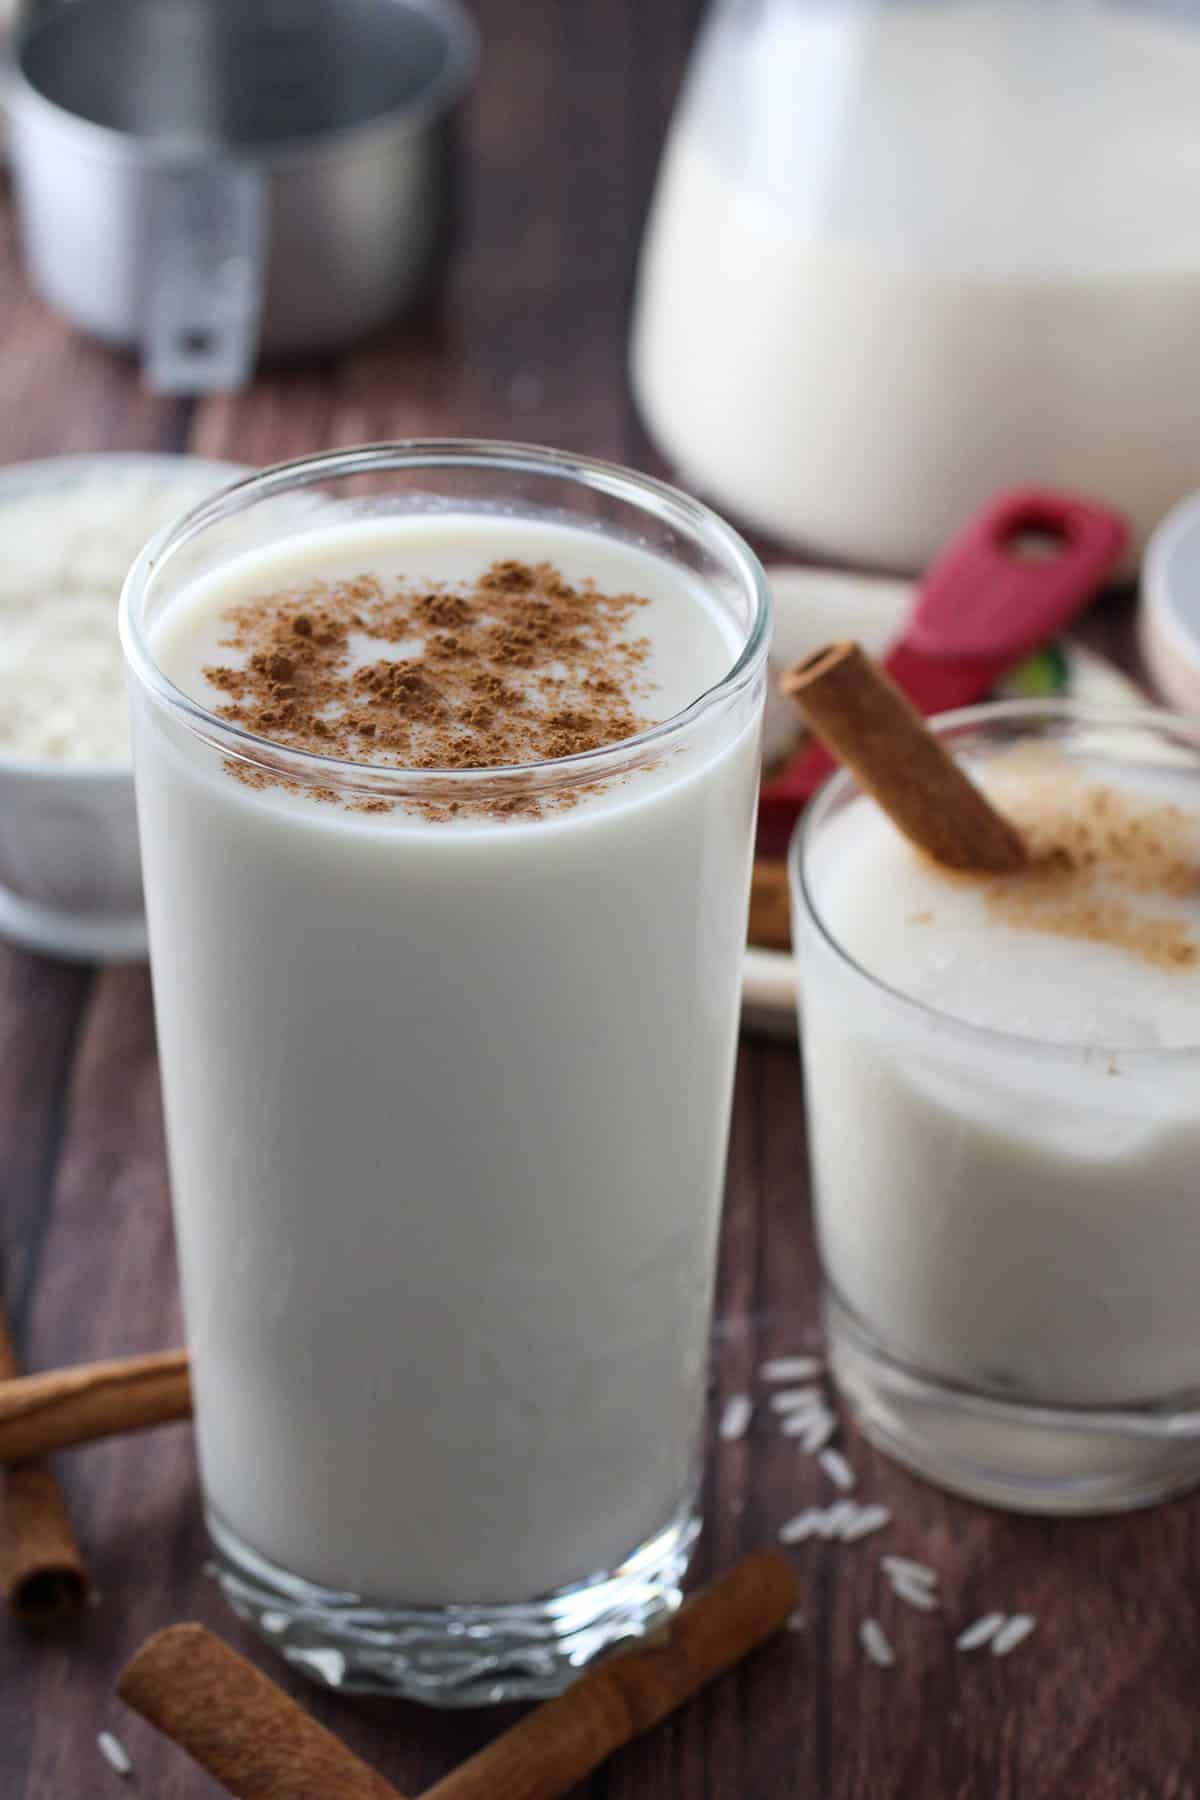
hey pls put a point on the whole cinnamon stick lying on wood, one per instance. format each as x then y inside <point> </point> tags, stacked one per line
<point>262,1746</point>
<point>629,1692</point>
<point>248,1734</point>
<point>51,1411</point>
<point>862,716</point>
<point>42,1571</point>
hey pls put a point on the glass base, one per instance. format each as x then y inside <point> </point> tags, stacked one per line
<point>1023,1457</point>
<point>454,1656</point>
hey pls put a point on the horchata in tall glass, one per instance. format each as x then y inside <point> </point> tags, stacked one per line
<point>447,763</point>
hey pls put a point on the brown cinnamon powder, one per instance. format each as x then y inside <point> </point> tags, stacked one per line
<point>521,668</point>
<point>1097,855</point>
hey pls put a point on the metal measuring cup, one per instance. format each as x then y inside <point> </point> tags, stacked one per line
<point>206,180</point>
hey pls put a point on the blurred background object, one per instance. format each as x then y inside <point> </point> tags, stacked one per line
<point>207,179</point>
<point>70,873</point>
<point>905,254</point>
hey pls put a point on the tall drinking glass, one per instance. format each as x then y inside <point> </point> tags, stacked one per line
<point>447,1061</point>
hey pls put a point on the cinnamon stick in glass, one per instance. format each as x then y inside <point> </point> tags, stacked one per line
<point>42,1571</point>
<point>870,725</point>
<point>261,1746</point>
<point>62,1407</point>
<point>770,906</point>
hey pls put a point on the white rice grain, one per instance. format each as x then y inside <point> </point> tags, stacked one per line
<point>837,1469</point>
<point>981,1632</point>
<point>839,1519</point>
<point>791,1400</point>
<point>795,1621</point>
<point>914,1593</point>
<point>911,1571</point>
<point>1015,1632</point>
<point>805,1525</point>
<point>844,1521</point>
<point>873,1639</point>
<point>115,1754</point>
<point>738,1411</point>
<point>790,1368</point>
<point>867,1519</point>
<point>814,1430</point>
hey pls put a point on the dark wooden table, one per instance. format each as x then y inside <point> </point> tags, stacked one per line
<point>528,341</point>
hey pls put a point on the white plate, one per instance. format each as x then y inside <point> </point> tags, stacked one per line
<point>813,606</point>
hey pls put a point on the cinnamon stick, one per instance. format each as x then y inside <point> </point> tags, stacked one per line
<point>261,1746</point>
<point>42,1571</point>
<point>238,1725</point>
<point>631,1691</point>
<point>770,906</point>
<point>871,726</point>
<point>51,1411</point>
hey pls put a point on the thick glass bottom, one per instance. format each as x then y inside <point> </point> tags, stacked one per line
<point>455,1656</point>
<point>1017,1455</point>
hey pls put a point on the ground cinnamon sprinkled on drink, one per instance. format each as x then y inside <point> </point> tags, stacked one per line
<point>521,668</point>
<point>1099,858</point>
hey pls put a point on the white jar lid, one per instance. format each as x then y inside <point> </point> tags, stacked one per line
<point>1169,621</point>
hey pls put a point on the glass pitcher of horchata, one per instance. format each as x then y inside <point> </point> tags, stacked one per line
<point>904,253</point>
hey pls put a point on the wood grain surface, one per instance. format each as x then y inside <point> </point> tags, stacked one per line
<point>528,340</point>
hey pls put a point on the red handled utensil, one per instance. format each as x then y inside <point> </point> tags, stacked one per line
<point>986,604</point>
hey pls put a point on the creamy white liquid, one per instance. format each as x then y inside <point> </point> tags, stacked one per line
<point>901,258</point>
<point>1015,1217</point>
<point>447,1109</point>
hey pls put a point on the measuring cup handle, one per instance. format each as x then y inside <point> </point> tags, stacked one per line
<point>986,598</point>
<point>206,273</point>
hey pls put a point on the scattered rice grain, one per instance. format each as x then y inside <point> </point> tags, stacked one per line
<point>735,1418</point>
<point>804,1525</point>
<point>790,1368</point>
<point>912,1571</point>
<point>874,1641</point>
<point>790,1400</point>
<point>839,1518</point>
<point>837,1469</point>
<point>795,1621</point>
<point>914,1593</point>
<point>813,1430</point>
<point>817,1521</point>
<point>981,1632</point>
<point>867,1520</point>
<point>1015,1632</point>
<point>115,1754</point>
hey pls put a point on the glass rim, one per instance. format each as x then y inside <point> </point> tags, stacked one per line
<point>316,768</point>
<point>1159,719</point>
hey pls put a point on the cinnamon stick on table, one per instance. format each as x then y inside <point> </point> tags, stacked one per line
<point>42,1571</point>
<point>247,1733</point>
<point>261,1746</point>
<point>51,1411</point>
<point>871,726</point>
<point>629,1692</point>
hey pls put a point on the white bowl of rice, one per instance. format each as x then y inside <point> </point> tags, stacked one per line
<point>70,526</point>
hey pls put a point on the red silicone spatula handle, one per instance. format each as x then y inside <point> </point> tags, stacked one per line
<point>988,599</point>
<point>986,604</point>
